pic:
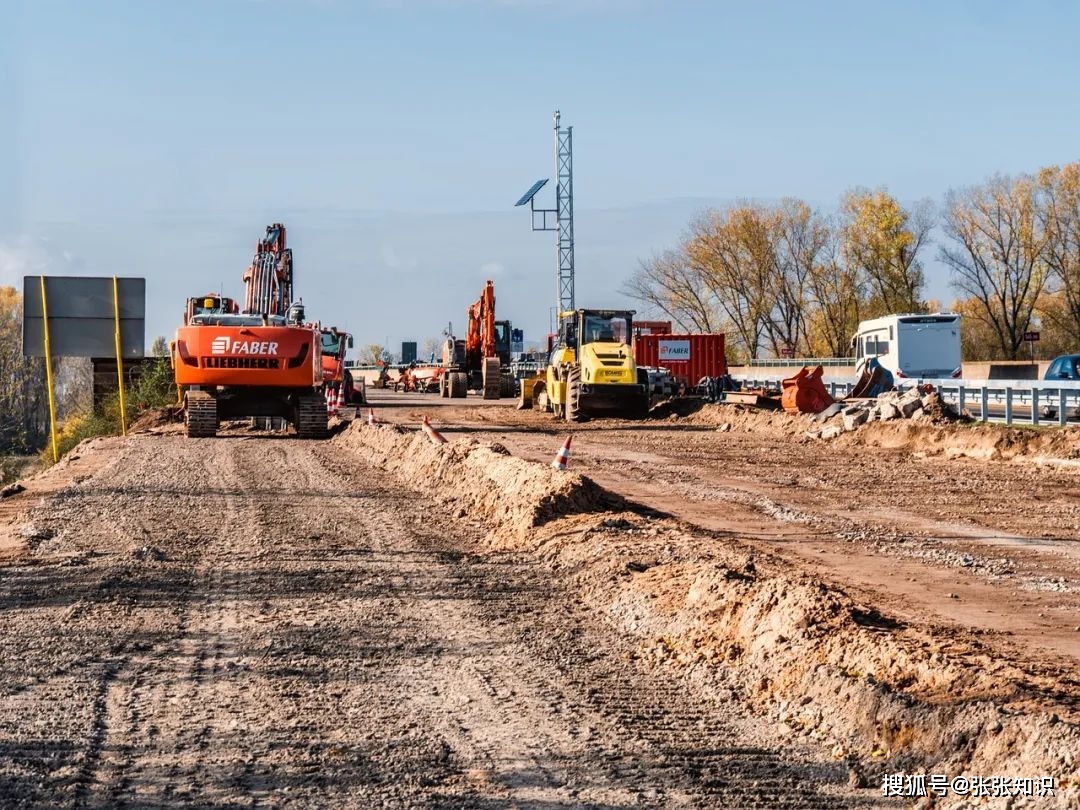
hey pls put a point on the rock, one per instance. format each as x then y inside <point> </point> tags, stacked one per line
<point>888,411</point>
<point>853,420</point>
<point>11,489</point>
<point>909,406</point>
<point>724,428</point>
<point>831,432</point>
<point>919,415</point>
<point>829,412</point>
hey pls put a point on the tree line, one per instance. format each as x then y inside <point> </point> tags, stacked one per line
<point>784,278</point>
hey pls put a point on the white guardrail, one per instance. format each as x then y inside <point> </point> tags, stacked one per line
<point>1034,402</point>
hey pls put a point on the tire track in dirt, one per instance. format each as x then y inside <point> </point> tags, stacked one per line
<point>263,621</point>
<point>565,699</point>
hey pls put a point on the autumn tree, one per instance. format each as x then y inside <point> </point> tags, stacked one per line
<point>374,353</point>
<point>1059,210</point>
<point>997,254</point>
<point>883,241</point>
<point>23,404</point>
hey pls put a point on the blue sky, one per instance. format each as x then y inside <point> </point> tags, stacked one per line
<point>158,139</point>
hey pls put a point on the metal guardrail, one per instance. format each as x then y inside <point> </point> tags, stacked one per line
<point>812,362</point>
<point>1039,401</point>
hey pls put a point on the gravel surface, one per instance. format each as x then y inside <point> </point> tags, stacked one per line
<point>249,622</point>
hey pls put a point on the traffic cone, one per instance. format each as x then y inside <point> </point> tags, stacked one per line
<point>331,403</point>
<point>432,433</point>
<point>340,397</point>
<point>562,458</point>
<point>371,420</point>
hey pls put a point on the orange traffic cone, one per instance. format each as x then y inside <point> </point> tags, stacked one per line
<point>331,403</point>
<point>562,458</point>
<point>371,420</point>
<point>340,397</point>
<point>432,433</point>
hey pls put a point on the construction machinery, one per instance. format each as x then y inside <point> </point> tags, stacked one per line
<point>262,361</point>
<point>481,361</point>
<point>591,369</point>
<point>336,377</point>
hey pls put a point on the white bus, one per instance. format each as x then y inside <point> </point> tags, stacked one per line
<point>911,346</point>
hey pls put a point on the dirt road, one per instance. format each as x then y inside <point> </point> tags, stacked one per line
<point>263,622</point>
<point>948,542</point>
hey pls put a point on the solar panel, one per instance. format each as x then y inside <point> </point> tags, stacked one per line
<point>528,195</point>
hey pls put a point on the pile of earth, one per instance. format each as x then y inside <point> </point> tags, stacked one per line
<point>834,672</point>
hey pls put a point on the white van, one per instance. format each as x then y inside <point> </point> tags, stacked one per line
<point>911,346</point>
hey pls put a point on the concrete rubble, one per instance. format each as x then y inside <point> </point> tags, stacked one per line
<point>914,404</point>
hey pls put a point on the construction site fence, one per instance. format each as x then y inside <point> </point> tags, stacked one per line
<point>1033,402</point>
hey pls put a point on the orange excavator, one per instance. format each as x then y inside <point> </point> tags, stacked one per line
<point>263,360</point>
<point>481,361</point>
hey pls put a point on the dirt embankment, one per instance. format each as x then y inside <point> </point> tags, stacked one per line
<point>978,440</point>
<point>885,696</point>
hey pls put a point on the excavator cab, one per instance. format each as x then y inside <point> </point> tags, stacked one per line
<point>210,304</point>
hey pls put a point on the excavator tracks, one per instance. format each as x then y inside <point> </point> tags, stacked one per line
<point>311,417</point>
<point>200,414</point>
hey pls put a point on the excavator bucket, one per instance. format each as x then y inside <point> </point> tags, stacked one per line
<point>875,379</point>
<point>805,392</point>
<point>533,392</point>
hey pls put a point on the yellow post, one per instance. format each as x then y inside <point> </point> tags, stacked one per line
<point>119,355</point>
<point>48,373</point>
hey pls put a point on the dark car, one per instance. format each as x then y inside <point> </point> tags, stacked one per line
<point>1065,367</point>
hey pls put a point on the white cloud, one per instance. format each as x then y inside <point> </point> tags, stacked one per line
<point>27,256</point>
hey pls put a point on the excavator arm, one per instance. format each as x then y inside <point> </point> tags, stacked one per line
<point>269,278</point>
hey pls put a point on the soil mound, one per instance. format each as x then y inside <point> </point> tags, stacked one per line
<point>507,493</point>
<point>940,432</point>
<point>885,697</point>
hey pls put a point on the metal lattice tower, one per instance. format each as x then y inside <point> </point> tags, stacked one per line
<point>564,205</point>
<point>562,213</point>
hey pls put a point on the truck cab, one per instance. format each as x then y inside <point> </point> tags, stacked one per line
<point>335,344</point>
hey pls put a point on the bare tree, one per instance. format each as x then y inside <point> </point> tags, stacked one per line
<point>733,252</point>
<point>430,348</point>
<point>798,242</point>
<point>667,283</point>
<point>836,296</point>
<point>998,253</point>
